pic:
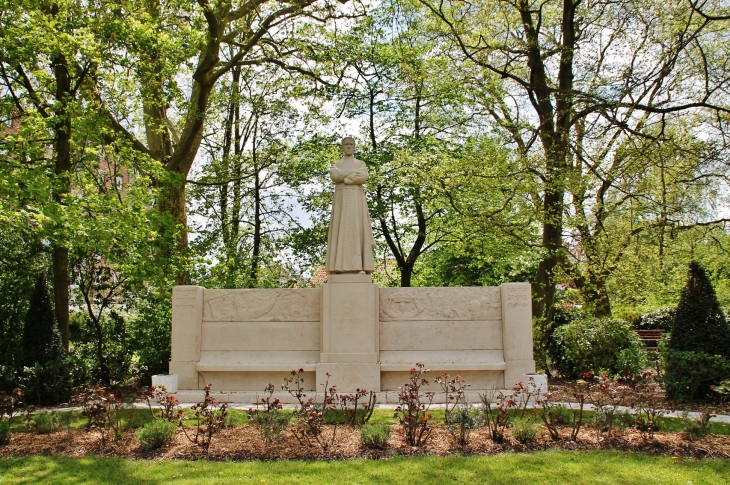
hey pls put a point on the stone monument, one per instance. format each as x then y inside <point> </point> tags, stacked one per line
<point>364,337</point>
<point>349,332</point>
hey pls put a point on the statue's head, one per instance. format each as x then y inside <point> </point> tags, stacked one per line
<point>348,145</point>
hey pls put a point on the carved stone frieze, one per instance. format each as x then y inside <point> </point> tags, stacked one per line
<point>259,305</point>
<point>464,303</point>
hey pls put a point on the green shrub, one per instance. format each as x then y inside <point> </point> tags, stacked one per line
<point>608,417</point>
<point>546,351</point>
<point>524,431</point>
<point>689,375</point>
<point>596,344</point>
<point>659,319</point>
<point>375,435</point>
<point>4,431</point>
<point>271,423</point>
<point>696,428</point>
<point>45,423</point>
<point>461,421</point>
<point>155,434</point>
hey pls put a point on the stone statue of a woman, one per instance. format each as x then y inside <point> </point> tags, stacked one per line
<point>350,240</point>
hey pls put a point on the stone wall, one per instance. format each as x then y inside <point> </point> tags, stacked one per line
<point>364,336</point>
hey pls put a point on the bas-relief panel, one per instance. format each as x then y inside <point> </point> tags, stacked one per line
<point>269,305</point>
<point>465,303</point>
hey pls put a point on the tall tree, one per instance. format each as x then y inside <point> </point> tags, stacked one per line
<point>217,37</point>
<point>551,69</point>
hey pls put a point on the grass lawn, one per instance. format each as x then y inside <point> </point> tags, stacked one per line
<point>136,418</point>
<point>539,468</point>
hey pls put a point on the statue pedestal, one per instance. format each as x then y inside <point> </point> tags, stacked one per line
<point>349,333</point>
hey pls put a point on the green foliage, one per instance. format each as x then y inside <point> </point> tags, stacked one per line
<point>38,331</point>
<point>597,345</point>
<point>700,324</point>
<point>21,262</point>
<point>46,422</point>
<point>722,390</point>
<point>698,350</point>
<point>661,318</point>
<point>155,434</point>
<point>116,348</point>
<point>375,435</point>
<point>461,421</point>
<point>46,376</point>
<point>524,431</point>
<point>546,350</point>
<point>688,375</point>
<point>696,428</point>
<point>271,424</point>
<point>150,334</point>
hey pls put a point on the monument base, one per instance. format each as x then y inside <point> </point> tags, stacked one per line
<point>348,377</point>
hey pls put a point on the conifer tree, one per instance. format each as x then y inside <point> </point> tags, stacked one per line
<point>38,332</point>
<point>700,324</point>
<point>46,374</point>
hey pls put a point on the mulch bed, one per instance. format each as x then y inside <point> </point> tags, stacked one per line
<point>560,391</point>
<point>244,443</point>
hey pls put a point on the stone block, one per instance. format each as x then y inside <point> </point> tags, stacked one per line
<point>477,380</point>
<point>349,320</point>
<point>440,335</point>
<point>169,382</point>
<point>515,370</point>
<point>262,305</point>
<point>187,319</point>
<point>187,375</point>
<point>260,336</point>
<point>517,321</point>
<point>349,377</point>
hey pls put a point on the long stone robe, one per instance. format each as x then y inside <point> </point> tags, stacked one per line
<point>350,240</point>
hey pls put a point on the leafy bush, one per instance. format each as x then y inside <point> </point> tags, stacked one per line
<point>546,351</point>
<point>597,345</point>
<point>150,331</point>
<point>209,417</point>
<point>155,434</point>
<point>689,375</point>
<point>506,408</point>
<point>375,435</point>
<point>723,390</point>
<point>461,421</point>
<point>4,431</point>
<point>696,428</point>
<point>269,417</point>
<point>524,431</point>
<point>45,423</point>
<point>659,319</point>
<point>105,363</point>
<point>309,416</point>
<point>169,405</point>
<point>413,405</point>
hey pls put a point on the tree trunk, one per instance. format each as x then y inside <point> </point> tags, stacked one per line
<point>256,252</point>
<point>62,130</point>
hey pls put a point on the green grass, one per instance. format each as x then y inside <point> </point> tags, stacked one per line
<point>551,467</point>
<point>136,418</point>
